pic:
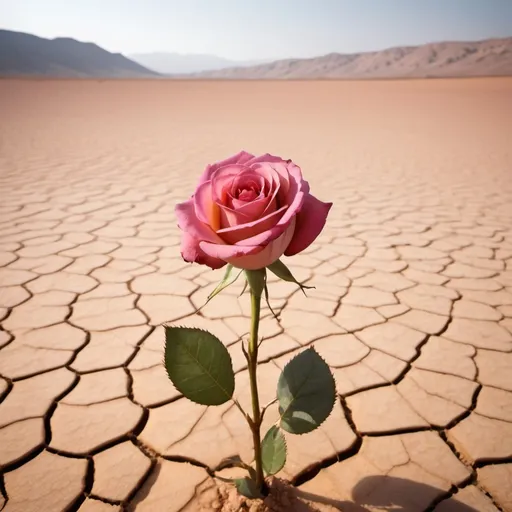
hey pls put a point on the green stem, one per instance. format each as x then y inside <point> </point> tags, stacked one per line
<point>253,363</point>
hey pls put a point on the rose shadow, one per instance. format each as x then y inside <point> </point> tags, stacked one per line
<point>389,494</point>
<point>386,492</point>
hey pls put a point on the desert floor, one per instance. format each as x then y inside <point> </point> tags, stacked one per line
<point>412,307</point>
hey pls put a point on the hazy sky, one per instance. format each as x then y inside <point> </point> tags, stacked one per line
<point>253,29</point>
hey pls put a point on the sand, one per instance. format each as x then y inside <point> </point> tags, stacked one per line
<point>412,308</point>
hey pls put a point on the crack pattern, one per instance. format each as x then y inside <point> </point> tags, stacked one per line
<point>412,308</point>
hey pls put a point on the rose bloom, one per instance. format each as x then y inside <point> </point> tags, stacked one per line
<point>249,211</point>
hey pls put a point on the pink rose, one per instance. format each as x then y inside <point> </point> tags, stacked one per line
<point>249,211</point>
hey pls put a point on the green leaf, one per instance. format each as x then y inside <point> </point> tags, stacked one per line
<point>247,487</point>
<point>273,451</point>
<point>282,271</point>
<point>226,281</point>
<point>306,392</point>
<point>199,365</point>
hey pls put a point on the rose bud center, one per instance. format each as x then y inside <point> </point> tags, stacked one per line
<point>247,194</point>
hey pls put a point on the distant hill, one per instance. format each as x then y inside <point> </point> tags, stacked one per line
<point>177,63</point>
<point>29,55</point>
<point>25,54</point>
<point>492,57</point>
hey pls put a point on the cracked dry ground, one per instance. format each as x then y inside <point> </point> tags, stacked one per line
<point>412,308</point>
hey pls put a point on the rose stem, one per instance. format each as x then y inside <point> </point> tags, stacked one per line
<point>253,363</point>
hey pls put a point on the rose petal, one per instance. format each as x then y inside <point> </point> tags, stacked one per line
<point>247,195</point>
<point>310,222</point>
<point>272,199</point>
<point>266,201</point>
<point>189,223</point>
<point>225,251</point>
<point>206,210</point>
<point>222,184</point>
<point>245,202</point>
<point>222,181</point>
<point>240,158</point>
<point>298,191</point>
<point>272,252</point>
<point>253,209</point>
<point>230,217</point>
<point>260,207</point>
<point>191,252</point>
<point>267,172</point>
<point>281,171</point>
<point>241,186</point>
<point>247,179</point>
<point>274,184</point>
<point>295,172</point>
<point>248,230</point>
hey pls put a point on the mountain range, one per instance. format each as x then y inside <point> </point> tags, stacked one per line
<point>28,55</point>
<point>25,54</point>
<point>491,57</point>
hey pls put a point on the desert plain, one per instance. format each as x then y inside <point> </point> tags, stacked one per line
<point>412,308</point>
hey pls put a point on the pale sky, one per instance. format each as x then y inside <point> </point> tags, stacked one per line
<point>254,29</point>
